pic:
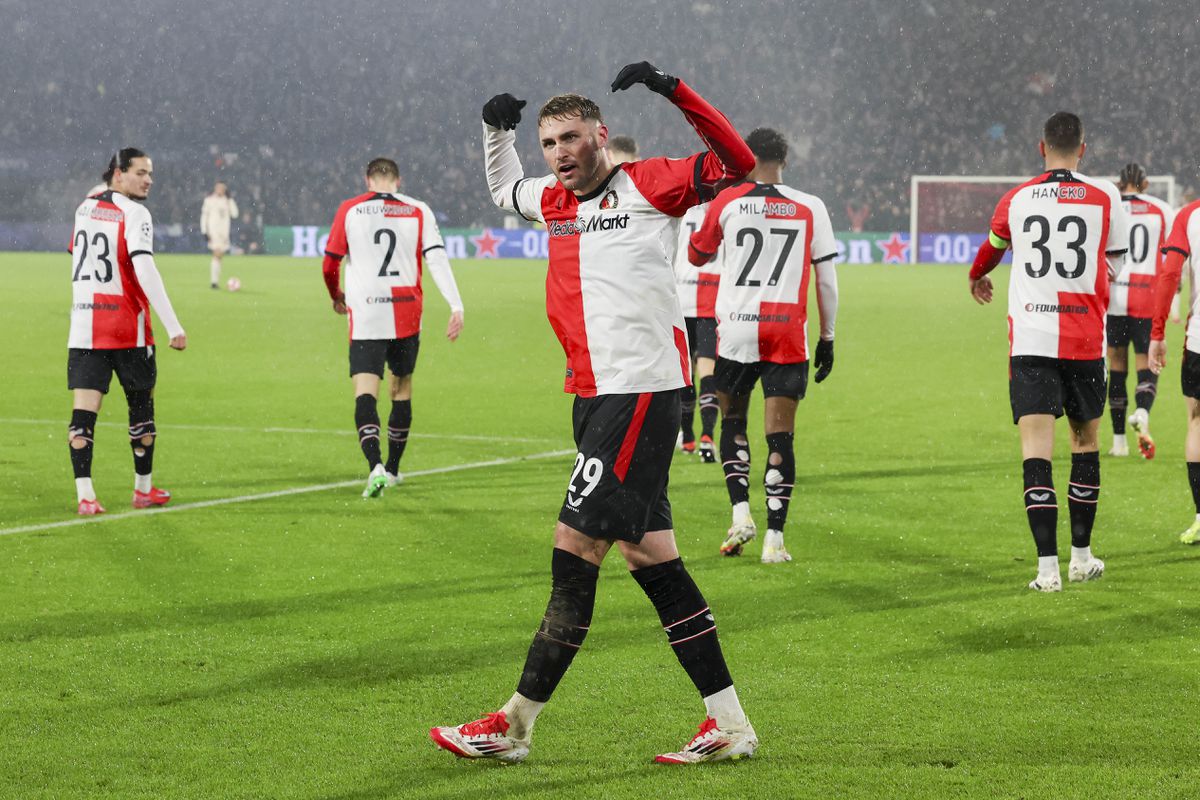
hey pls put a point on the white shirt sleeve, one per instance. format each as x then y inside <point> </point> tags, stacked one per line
<point>152,286</point>
<point>510,189</point>
<point>434,252</point>
<point>204,216</point>
<point>1118,224</point>
<point>824,243</point>
<point>233,209</point>
<point>139,231</point>
<point>824,252</point>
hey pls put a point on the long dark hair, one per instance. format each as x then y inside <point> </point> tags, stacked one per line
<point>121,160</point>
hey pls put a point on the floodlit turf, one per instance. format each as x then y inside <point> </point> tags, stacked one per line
<point>302,646</point>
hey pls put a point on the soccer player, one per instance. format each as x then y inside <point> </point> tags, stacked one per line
<point>610,297</point>
<point>218,209</point>
<point>767,239</point>
<point>622,149</point>
<point>114,284</point>
<point>1182,244</point>
<point>1069,234</point>
<point>389,238</point>
<point>697,296</point>
<point>1130,308</point>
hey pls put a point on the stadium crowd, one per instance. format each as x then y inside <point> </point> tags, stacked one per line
<point>863,90</point>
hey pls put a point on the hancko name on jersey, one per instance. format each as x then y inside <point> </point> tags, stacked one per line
<point>575,227</point>
<point>1059,192</point>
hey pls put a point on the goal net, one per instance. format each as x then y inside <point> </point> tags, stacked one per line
<point>949,214</point>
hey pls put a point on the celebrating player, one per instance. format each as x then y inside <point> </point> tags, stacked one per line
<point>610,297</point>
<point>389,238</point>
<point>697,296</point>
<point>114,284</point>
<point>766,238</point>
<point>1130,308</point>
<point>1181,245</point>
<point>1063,227</point>
<point>218,209</point>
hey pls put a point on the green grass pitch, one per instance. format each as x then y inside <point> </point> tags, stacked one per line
<point>300,646</point>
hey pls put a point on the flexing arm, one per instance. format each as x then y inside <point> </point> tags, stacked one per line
<point>152,286</point>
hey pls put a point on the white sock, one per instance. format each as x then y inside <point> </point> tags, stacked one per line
<point>521,713</point>
<point>1048,565</point>
<point>1119,440</point>
<point>85,491</point>
<point>741,512</point>
<point>1083,554</point>
<point>725,708</point>
<point>214,269</point>
<point>141,483</point>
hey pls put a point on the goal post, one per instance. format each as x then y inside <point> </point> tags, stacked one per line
<point>949,214</point>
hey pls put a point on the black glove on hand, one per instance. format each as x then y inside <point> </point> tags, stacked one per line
<point>503,111</point>
<point>647,73</point>
<point>824,359</point>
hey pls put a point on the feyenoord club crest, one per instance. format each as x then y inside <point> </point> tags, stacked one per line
<point>609,200</point>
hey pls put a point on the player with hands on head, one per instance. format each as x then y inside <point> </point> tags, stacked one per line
<point>1068,234</point>
<point>114,284</point>
<point>1182,245</point>
<point>611,301</point>
<point>389,238</point>
<point>768,240</point>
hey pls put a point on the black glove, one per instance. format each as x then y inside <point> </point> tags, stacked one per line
<point>503,111</point>
<point>824,359</point>
<point>647,73</point>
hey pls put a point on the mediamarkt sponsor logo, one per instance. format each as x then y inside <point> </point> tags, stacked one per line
<point>1047,308</point>
<point>574,227</point>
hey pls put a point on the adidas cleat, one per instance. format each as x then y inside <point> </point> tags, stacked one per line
<point>738,535</point>
<point>1047,583</point>
<point>483,738</point>
<point>377,481</point>
<point>1140,422</point>
<point>714,744</point>
<point>708,453</point>
<point>90,508</point>
<point>154,497</point>
<point>1190,536</point>
<point>1088,570</point>
<point>773,551</point>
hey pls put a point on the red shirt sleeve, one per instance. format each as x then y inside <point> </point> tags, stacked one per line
<point>337,245</point>
<point>331,270</point>
<point>1178,240</point>
<point>1177,249</point>
<point>728,158</point>
<point>667,183</point>
<point>999,224</point>
<point>705,242</point>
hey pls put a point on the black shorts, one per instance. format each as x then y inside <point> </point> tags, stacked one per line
<point>1039,385</point>
<point>93,369</point>
<point>1189,374</point>
<point>1124,330</point>
<point>778,380</point>
<point>618,488</point>
<point>702,336</point>
<point>369,355</point>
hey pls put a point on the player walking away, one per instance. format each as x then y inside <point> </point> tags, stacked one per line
<point>1063,227</point>
<point>218,209</point>
<point>114,284</point>
<point>390,238</point>
<point>622,149</point>
<point>1130,308</point>
<point>1183,242</point>
<point>610,297</point>
<point>698,296</point>
<point>767,238</point>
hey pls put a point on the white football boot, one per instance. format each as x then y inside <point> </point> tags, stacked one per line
<point>714,744</point>
<point>1120,446</point>
<point>1047,583</point>
<point>1139,420</point>
<point>773,551</point>
<point>739,533</point>
<point>1190,536</point>
<point>392,480</point>
<point>483,738</point>
<point>1088,570</point>
<point>376,482</point>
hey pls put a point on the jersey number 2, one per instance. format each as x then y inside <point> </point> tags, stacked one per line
<point>387,258</point>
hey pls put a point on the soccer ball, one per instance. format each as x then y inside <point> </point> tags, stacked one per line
<point>233,284</point>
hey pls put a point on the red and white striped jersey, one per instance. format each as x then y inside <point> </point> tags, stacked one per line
<point>109,309</point>
<point>1149,224</point>
<point>697,285</point>
<point>385,237</point>
<point>1185,239</point>
<point>1061,225</point>
<point>610,286</point>
<point>766,238</point>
